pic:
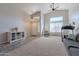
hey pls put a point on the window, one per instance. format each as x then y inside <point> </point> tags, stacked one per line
<point>56,24</point>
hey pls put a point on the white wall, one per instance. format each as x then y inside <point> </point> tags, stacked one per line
<point>74,16</point>
<point>10,18</point>
<point>8,22</point>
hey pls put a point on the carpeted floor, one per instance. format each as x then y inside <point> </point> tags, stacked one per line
<point>42,46</point>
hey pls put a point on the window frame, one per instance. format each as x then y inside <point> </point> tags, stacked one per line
<point>61,21</point>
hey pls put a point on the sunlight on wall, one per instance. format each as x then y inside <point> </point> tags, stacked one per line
<point>75,17</point>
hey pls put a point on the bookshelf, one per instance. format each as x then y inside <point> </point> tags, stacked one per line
<point>15,36</point>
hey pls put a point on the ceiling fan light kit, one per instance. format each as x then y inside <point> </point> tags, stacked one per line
<point>52,7</point>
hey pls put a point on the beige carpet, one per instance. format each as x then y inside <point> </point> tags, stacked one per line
<point>42,46</point>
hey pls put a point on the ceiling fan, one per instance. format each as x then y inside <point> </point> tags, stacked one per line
<point>52,7</point>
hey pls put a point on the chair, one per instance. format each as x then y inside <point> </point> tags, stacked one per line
<point>46,33</point>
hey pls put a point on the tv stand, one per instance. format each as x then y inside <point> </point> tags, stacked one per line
<point>15,36</point>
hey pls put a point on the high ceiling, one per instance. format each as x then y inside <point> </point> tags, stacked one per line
<point>33,7</point>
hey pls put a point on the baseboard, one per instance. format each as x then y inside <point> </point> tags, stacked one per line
<point>3,42</point>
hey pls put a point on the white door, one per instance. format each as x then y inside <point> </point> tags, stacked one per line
<point>34,28</point>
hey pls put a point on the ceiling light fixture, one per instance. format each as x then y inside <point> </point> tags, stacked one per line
<point>52,7</point>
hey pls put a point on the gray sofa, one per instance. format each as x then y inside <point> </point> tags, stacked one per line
<point>72,46</point>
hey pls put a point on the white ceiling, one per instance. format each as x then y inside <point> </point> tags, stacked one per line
<point>33,7</point>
